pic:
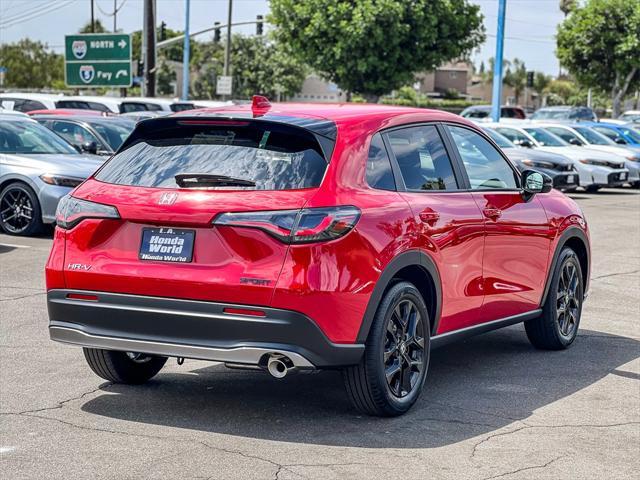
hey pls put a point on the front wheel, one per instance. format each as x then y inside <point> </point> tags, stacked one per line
<point>390,376</point>
<point>123,367</point>
<point>557,327</point>
<point>592,188</point>
<point>19,210</point>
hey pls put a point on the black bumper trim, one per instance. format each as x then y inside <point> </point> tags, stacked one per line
<point>198,324</point>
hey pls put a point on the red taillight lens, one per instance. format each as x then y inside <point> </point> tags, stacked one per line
<point>72,211</point>
<point>297,226</point>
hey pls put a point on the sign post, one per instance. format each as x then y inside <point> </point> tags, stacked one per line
<point>97,60</point>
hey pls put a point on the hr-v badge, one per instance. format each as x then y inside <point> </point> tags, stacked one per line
<point>168,198</point>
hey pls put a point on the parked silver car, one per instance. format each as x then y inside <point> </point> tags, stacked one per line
<point>37,168</point>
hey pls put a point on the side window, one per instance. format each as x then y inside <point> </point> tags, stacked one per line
<point>379,174</point>
<point>514,135</point>
<point>485,166</point>
<point>127,107</point>
<point>565,134</point>
<point>73,133</point>
<point>98,106</point>
<point>422,159</point>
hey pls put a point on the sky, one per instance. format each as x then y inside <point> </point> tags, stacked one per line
<point>530,26</point>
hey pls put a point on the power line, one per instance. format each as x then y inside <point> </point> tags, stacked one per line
<point>111,14</point>
<point>31,15</point>
<point>27,13</point>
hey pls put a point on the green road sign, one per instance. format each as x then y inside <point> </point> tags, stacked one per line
<point>98,74</point>
<point>98,60</point>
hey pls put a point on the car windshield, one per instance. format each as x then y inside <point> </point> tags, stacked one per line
<point>545,138</point>
<point>249,155</point>
<point>477,113</point>
<point>114,133</point>
<point>543,114</point>
<point>630,117</point>
<point>501,140</point>
<point>29,137</point>
<point>593,137</point>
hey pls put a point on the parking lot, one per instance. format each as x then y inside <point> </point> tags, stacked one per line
<point>493,406</point>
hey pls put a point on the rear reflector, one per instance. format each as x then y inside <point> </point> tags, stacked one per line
<point>82,296</point>
<point>244,311</point>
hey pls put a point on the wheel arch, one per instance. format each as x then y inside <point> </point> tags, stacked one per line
<point>577,240</point>
<point>413,266</point>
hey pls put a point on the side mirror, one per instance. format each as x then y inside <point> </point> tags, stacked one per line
<point>89,147</point>
<point>524,143</point>
<point>535,182</point>
<point>621,141</point>
<point>576,142</point>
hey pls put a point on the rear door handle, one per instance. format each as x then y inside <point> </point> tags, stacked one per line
<point>492,213</point>
<point>429,216</point>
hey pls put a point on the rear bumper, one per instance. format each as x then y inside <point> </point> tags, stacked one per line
<point>192,329</point>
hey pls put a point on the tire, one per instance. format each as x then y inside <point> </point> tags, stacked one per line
<point>557,327</point>
<point>16,201</point>
<point>123,367</point>
<point>635,185</point>
<point>592,188</point>
<point>366,383</point>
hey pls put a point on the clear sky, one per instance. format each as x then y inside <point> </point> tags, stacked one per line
<point>531,24</point>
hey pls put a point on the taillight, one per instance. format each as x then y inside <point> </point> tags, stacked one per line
<point>297,226</point>
<point>72,211</point>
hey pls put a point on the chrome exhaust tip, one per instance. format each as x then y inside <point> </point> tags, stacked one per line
<point>279,366</point>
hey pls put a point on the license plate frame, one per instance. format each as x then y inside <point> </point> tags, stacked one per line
<point>166,244</point>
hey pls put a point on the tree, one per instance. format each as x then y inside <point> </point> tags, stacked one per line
<point>374,47</point>
<point>567,5</point>
<point>516,78</point>
<point>30,65</point>
<point>97,28</point>
<point>258,66</point>
<point>599,44</point>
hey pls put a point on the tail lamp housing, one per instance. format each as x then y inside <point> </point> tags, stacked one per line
<point>307,225</point>
<point>71,211</point>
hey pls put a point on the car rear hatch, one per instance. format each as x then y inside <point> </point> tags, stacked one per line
<point>145,223</point>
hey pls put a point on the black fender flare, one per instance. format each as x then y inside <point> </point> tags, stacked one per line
<point>569,233</point>
<point>405,259</point>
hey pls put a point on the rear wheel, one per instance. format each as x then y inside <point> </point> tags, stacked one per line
<point>19,210</point>
<point>123,367</point>
<point>389,378</point>
<point>557,327</point>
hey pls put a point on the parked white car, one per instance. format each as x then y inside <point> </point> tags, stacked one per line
<point>582,135</point>
<point>596,169</point>
<point>27,102</point>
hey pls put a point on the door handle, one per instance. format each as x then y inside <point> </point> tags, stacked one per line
<point>428,216</point>
<point>492,213</point>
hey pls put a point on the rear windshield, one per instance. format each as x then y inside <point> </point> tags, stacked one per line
<point>273,156</point>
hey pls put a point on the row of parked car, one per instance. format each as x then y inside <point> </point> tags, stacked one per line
<point>46,152</point>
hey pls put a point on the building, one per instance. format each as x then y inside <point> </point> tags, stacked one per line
<point>316,90</point>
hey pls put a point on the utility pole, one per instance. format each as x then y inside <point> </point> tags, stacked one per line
<point>496,99</point>
<point>93,19</point>
<point>227,47</point>
<point>115,14</point>
<point>149,48</point>
<point>185,54</point>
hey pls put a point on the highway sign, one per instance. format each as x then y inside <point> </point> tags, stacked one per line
<point>98,60</point>
<point>223,85</point>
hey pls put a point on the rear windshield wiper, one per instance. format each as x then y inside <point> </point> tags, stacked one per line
<point>207,179</point>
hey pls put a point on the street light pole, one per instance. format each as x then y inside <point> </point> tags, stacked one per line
<point>185,54</point>
<point>496,97</point>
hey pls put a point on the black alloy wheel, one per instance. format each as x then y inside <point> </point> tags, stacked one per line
<point>19,210</point>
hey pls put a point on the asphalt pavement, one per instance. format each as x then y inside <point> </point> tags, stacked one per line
<point>493,407</point>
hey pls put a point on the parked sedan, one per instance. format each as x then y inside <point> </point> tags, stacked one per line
<point>620,134</point>
<point>97,135</point>
<point>559,168</point>
<point>564,113</point>
<point>596,168</point>
<point>581,135</point>
<point>37,168</point>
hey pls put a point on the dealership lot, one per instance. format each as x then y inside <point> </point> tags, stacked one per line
<point>493,406</point>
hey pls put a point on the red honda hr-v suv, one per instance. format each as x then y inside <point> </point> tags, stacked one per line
<point>297,237</point>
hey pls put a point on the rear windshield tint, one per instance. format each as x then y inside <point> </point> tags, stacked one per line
<point>273,156</point>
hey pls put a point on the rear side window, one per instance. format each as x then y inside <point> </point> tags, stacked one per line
<point>379,174</point>
<point>273,156</point>
<point>422,158</point>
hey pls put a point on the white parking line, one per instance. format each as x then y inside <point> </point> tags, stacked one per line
<point>12,245</point>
